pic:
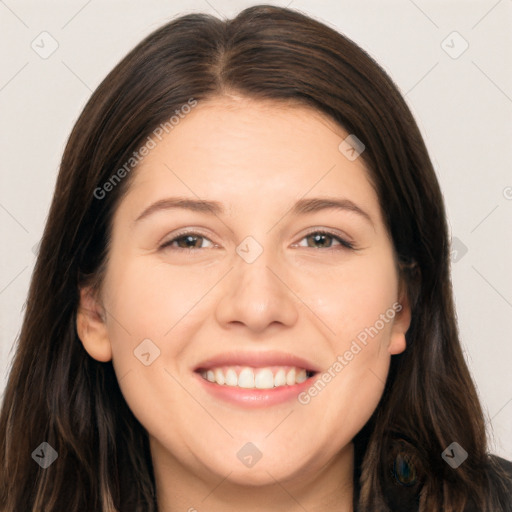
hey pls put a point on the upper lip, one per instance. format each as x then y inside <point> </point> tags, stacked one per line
<point>256,359</point>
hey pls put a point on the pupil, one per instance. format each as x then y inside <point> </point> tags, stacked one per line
<point>320,238</point>
<point>190,238</point>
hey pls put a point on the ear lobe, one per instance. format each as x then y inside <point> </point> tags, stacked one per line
<point>91,326</point>
<point>401,324</point>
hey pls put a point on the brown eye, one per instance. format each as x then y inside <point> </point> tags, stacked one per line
<point>186,241</point>
<point>324,240</point>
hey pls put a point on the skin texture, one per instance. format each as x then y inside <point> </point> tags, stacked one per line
<point>257,159</point>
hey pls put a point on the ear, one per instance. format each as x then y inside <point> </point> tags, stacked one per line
<point>91,326</point>
<point>401,323</point>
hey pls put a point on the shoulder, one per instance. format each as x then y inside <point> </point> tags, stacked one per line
<point>503,464</point>
<point>500,482</point>
<point>500,477</point>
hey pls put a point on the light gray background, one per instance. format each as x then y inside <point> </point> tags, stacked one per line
<point>463,106</point>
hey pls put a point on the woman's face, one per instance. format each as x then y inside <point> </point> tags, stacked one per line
<point>249,293</point>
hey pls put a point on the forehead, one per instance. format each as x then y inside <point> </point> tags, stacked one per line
<point>227,127</point>
<point>266,142</point>
<point>234,149</point>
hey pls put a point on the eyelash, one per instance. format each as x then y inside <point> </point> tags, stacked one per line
<point>343,243</point>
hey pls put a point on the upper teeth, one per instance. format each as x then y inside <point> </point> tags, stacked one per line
<point>260,378</point>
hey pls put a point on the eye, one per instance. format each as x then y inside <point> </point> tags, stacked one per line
<point>188,241</point>
<point>323,238</point>
<point>192,241</point>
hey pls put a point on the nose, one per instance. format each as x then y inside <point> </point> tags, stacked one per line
<point>257,295</point>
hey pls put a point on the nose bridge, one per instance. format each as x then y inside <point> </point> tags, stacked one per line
<point>253,270</point>
<point>258,295</point>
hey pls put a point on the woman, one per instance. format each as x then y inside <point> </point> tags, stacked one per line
<point>184,349</point>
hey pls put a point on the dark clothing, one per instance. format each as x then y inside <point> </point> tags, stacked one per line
<point>410,504</point>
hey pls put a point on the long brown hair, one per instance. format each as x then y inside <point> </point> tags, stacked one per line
<point>57,393</point>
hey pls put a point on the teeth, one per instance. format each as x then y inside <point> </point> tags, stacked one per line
<point>280,378</point>
<point>246,378</point>
<point>264,379</point>
<point>259,378</point>
<point>231,378</point>
<point>301,376</point>
<point>219,376</point>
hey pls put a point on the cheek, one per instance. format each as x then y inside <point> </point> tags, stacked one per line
<point>348,391</point>
<point>151,318</point>
<point>154,311</point>
<point>352,297</point>
<point>357,304</point>
<point>150,300</point>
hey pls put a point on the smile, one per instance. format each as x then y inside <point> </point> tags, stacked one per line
<point>256,378</point>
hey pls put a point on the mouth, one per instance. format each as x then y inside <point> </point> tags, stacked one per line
<point>247,377</point>
<point>255,379</point>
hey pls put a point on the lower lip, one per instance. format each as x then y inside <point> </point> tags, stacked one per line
<point>255,397</point>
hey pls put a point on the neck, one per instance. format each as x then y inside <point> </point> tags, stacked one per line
<point>180,489</point>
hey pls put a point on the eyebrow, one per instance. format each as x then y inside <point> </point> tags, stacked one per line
<point>301,207</point>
